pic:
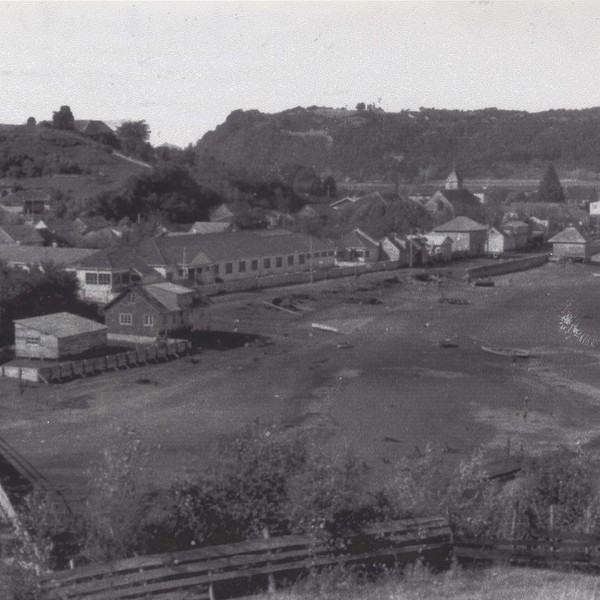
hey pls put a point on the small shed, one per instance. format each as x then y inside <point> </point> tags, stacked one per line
<point>570,244</point>
<point>57,336</point>
<point>499,241</point>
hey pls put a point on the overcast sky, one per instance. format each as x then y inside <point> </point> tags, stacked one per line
<point>183,67</point>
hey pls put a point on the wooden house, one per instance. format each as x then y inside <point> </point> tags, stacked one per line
<point>469,238</point>
<point>570,244</point>
<point>357,246</point>
<point>150,311</point>
<point>57,336</point>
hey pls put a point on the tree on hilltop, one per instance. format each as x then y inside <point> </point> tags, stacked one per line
<point>550,189</point>
<point>134,136</point>
<point>63,118</point>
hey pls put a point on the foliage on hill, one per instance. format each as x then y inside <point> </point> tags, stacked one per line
<point>167,190</point>
<point>417,146</point>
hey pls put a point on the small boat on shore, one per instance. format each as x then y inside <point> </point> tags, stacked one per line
<point>510,352</point>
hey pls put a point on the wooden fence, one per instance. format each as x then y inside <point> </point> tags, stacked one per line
<point>573,551</point>
<point>86,367</point>
<point>247,567</point>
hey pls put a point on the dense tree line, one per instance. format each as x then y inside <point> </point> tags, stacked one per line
<point>489,142</point>
<point>42,290</point>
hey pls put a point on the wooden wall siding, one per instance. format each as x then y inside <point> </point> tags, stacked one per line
<point>52,347</point>
<point>92,366</point>
<point>560,251</point>
<point>197,574</point>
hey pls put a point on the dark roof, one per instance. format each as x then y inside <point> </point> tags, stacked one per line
<point>92,127</point>
<point>62,324</point>
<point>222,212</point>
<point>114,259</point>
<point>460,224</point>
<point>32,255</point>
<point>21,233</point>
<point>358,238</point>
<point>22,196</point>
<point>199,249</point>
<point>162,296</point>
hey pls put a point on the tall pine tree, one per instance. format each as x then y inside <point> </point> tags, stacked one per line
<point>550,189</point>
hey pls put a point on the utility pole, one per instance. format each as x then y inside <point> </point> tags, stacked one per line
<point>310,248</point>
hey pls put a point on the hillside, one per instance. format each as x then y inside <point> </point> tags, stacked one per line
<point>369,144</point>
<point>39,157</point>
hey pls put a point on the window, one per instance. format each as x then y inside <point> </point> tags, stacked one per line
<point>104,278</point>
<point>290,261</point>
<point>366,254</point>
<point>242,266</point>
<point>229,268</point>
<point>32,340</point>
<point>131,298</point>
<point>279,261</point>
<point>301,259</point>
<point>91,278</point>
<point>216,269</point>
<point>125,319</point>
<point>254,265</point>
<point>267,263</point>
<point>148,320</point>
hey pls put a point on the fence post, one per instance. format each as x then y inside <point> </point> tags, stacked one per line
<point>271,577</point>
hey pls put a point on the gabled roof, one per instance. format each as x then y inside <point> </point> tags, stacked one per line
<point>202,250</point>
<point>62,324</point>
<point>221,213</point>
<point>437,239</point>
<point>460,224</point>
<point>15,254</point>
<point>163,297</point>
<point>570,235</point>
<point>357,237</point>
<point>22,196</point>
<point>454,178</point>
<point>20,233</point>
<point>113,259</point>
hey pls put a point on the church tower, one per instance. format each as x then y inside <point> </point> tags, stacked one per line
<point>454,181</point>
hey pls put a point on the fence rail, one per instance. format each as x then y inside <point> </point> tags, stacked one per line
<point>197,574</point>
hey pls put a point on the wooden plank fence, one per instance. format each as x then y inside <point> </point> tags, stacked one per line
<point>91,366</point>
<point>575,551</point>
<point>202,574</point>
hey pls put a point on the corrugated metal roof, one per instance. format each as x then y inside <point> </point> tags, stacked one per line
<point>62,324</point>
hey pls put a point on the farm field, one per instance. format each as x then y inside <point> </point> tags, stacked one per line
<point>385,386</point>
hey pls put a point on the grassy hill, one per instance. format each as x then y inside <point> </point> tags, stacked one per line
<point>39,157</point>
<point>369,144</point>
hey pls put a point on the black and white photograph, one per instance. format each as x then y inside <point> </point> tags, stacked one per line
<point>300,300</point>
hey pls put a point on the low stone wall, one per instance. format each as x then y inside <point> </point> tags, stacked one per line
<point>508,266</point>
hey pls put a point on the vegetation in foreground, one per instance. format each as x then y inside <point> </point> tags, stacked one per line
<point>274,482</point>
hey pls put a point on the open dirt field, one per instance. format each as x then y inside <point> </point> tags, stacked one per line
<point>384,385</point>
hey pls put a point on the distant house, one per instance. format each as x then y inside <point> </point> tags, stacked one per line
<point>453,200</point>
<point>83,232</point>
<point>103,274</point>
<point>498,241</point>
<point>520,231</point>
<point>570,244</point>
<point>151,311</point>
<point>29,203</point>
<point>20,234</point>
<point>221,213</point>
<point>199,259</point>
<point>57,336</point>
<point>357,246</point>
<point>406,250</point>
<point>468,237</point>
<point>373,198</point>
<point>438,246</point>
